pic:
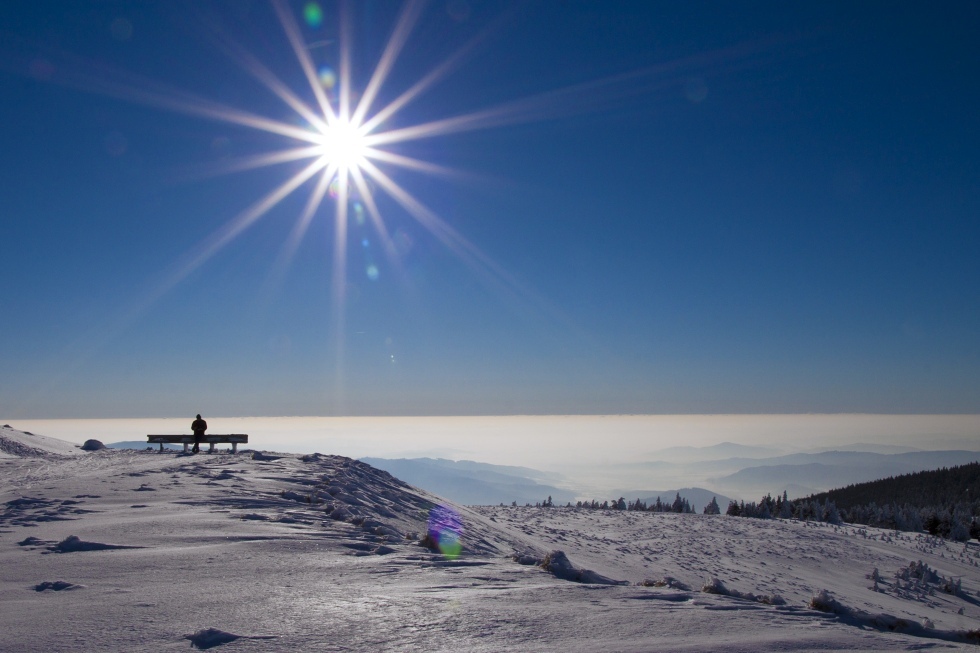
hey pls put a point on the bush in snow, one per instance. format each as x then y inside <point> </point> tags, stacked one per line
<point>666,581</point>
<point>825,602</point>
<point>715,586</point>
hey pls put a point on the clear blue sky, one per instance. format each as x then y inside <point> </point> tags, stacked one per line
<point>699,208</point>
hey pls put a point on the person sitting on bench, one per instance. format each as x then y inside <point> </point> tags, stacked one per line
<point>199,426</point>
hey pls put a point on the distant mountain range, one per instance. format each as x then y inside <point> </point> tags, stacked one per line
<point>809,473</point>
<point>473,483</point>
<point>720,451</point>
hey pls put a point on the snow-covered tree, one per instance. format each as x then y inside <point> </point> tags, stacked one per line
<point>786,507</point>
<point>712,507</point>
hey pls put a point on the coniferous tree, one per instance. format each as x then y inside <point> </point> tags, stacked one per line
<point>786,509</point>
<point>678,505</point>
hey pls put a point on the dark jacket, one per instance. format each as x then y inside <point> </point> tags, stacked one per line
<point>199,426</point>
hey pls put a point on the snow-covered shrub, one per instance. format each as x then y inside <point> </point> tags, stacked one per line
<point>666,581</point>
<point>825,602</point>
<point>715,586</point>
<point>918,571</point>
<point>558,564</point>
<point>950,586</point>
<point>429,542</point>
<point>771,599</point>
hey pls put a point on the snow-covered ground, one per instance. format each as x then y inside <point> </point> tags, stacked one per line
<point>128,550</point>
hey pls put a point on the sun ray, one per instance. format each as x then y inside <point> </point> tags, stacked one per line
<point>133,88</point>
<point>403,28</point>
<point>434,76</point>
<point>267,78</point>
<point>303,56</point>
<point>492,274</point>
<point>241,164</point>
<point>340,285</point>
<point>376,220</point>
<point>343,109</point>
<point>288,250</point>
<point>234,227</point>
<point>410,162</point>
<point>480,263</point>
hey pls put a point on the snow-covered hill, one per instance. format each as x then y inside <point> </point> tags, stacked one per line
<point>24,444</point>
<point>129,550</point>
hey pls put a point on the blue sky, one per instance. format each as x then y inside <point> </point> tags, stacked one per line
<point>716,208</point>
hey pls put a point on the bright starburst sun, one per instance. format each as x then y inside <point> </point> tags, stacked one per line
<point>343,146</point>
<point>343,143</point>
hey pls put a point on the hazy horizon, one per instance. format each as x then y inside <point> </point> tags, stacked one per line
<point>546,442</point>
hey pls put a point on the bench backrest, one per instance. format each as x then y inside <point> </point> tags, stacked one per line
<point>178,439</point>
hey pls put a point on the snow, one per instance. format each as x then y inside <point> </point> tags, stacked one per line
<point>322,553</point>
<point>16,444</point>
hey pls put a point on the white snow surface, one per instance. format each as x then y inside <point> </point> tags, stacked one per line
<point>17,444</point>
<point>128,550</point>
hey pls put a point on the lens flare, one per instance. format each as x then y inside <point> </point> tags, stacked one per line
<point>327,77</point>
<point>313,14</point>
<point>446,529</point>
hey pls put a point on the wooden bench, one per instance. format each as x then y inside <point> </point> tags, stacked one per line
<point>233,439</point>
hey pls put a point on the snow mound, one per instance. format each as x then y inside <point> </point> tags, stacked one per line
<point>93,445</point>
<point>24,444</point>
<point>210,637</point>
<point>825,602</point>
<point>73,544</point>
<point>715,586</point>
<point>667,581</point>
<point>56,586</point>
<point>558,564</point>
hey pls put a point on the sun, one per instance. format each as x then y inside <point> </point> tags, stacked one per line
<point>342,146</point>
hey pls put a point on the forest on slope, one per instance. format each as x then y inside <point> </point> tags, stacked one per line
<point>946,487</point>
<point>943,502</point>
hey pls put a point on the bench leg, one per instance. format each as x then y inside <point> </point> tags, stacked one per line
<point>161,447</point>
<point>211,448</point>
<point>234,447</point>
<point>185,447</point>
